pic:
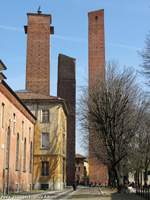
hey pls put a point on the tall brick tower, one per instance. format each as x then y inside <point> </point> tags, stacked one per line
<point>38,52</point>
<point>96,49</point>
<point>96,42</point>
<point>66,89</point>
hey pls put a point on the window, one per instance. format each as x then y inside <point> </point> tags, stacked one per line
<point>30,157</point>
<point>29,133</point>
<point>3,105</point>
<point>7,150</point>
<point>22,130</point>
<point>44,186</point>
<point>64,143</point>
<point>45,116</point>
<point>45,140</point>
<point>16,187</point>
<point>45,168</point>
<point>77,169</point>
<point>17,152</point>
<point>14,123</point>
<point>24,156</point>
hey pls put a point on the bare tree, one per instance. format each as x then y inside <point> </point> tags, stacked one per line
<point>109,111</point>
<point>145,55</point>
<point>141,146</point>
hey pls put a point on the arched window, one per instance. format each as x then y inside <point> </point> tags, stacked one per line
<point>30,157</point>
<point>17,152</point>
<point>24,156</point>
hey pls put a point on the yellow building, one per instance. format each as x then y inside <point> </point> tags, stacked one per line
<point>86,165</point>
<point>50,139</point>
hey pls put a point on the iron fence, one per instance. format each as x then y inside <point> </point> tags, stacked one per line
<point>144,191</point>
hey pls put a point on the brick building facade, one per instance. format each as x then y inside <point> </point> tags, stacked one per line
<point>16,142</point>
<point>81,170</point>
<point>96,55</point>
<point>66,89</point>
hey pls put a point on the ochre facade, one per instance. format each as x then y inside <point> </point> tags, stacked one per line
<point>54,154</point>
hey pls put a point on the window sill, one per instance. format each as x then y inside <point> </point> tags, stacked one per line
<point>45,122</point>
<point>44,148</point>
<point>44,175</point>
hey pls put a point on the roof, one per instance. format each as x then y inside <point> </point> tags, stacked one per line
<point>79,156</point>
<point>2,76</point>
<point>27,95</point>
<point>17,98</point>
<point>2,66</point>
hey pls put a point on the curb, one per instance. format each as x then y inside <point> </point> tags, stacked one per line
<point>101,191</point>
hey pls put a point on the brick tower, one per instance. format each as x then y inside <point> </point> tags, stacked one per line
<point>96,45</point>
<point>38,52</point>
<point>66,89</point>
<point>96,49</point>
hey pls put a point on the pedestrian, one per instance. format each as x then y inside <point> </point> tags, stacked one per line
<point>74,185</point>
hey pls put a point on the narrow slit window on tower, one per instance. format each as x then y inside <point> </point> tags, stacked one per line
<point>96,17</point>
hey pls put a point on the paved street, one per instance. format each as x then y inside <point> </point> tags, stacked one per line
<point>94,194</point>
<point>82,193</point>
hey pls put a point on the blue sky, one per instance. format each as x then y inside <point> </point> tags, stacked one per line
<point>126,26</point>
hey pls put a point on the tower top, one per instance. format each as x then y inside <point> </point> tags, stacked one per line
<point>39,10</point>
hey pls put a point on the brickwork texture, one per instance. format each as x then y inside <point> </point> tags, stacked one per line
<point>96,49</point>
<point>38,53</point>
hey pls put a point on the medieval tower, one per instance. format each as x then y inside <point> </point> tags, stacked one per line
<point>66,89</point>
<point>38,52</point>
<point>96,55</point>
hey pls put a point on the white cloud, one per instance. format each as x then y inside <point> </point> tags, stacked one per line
<point>11,28</point>
<point>72,39</point>
<point>124,46</point>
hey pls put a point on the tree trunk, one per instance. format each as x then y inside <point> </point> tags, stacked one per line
<point>146,170</point>
<point>119,180</point>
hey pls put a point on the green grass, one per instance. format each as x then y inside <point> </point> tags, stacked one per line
<point>27,192</point>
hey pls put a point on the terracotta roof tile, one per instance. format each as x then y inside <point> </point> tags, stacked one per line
<point>26,94</point>
<point>79,156</point>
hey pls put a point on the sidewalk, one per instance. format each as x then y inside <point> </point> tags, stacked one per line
<point>39,194</point>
